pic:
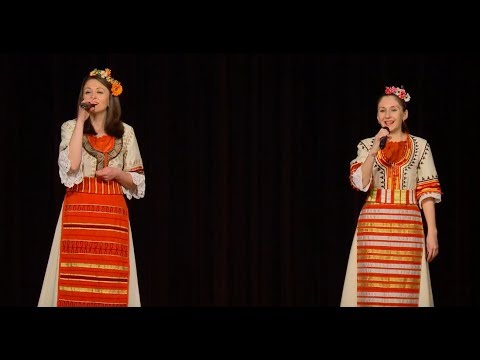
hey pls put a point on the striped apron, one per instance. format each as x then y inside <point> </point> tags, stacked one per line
<point>94,250</point>
<point>390,246</point>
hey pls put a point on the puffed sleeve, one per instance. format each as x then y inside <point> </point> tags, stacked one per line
<point>133,164</point>
<point>67,177</point>
<point>428,184</point>
<point>356,178</point>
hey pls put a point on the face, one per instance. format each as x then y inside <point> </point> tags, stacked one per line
<point>390,113</point>
<point>96,93</point>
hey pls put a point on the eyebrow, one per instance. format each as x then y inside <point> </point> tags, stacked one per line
<point>384,107</point>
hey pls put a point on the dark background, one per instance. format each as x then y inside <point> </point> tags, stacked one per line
<point>246,157</point>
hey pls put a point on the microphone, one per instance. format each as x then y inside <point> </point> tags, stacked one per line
<point>383,140</point>
<point>86,105</point>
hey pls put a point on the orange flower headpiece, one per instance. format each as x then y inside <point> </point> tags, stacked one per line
<point>398,91</point>
<point>116,88</point>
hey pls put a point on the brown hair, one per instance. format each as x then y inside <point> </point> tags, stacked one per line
<point>113,124</point>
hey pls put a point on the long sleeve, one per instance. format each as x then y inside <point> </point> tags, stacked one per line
<point>66,176</point>
<point>356,178</point>
<point>428,184</point>
<point>133,164</point>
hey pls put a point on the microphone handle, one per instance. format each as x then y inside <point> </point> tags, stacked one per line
<point>86,106</point>
<point>383,142</point>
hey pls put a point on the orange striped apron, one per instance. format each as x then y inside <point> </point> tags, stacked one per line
<point>390,246</point>
<point>94,250</point>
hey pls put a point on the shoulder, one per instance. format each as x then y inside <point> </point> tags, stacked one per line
<point>367,142</point>
<point>128,128</point>
<point>128,134</point>
<point>420,142</point>
<point>68,127</point>
<point>69,124</point>
<point>418,139</point>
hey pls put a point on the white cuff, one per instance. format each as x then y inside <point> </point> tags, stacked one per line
<point>139,180</point>
<point>437,197</point>
<point>68,179</point>
<point>357,180</point>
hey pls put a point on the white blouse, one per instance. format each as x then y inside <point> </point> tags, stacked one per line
<point>418,172</point>
<point>125,156</point>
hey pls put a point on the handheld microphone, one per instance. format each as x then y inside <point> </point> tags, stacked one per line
<point>86,105</point>
<point>383,140</point>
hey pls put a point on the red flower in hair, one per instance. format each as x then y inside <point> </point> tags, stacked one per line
<point>398,91</point>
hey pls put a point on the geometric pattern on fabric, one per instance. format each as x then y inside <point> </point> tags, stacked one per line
<point>390,246</point>
<point>94,250</point>
<point>428,187</point>
<point>94,185</point>
<point>390,196</point>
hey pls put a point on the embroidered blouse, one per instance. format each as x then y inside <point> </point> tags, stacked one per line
<point>400,165</point>
<point>122,153</point>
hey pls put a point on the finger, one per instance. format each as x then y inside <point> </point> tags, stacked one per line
<point>432,254</point>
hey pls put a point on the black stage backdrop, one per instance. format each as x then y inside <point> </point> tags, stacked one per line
<point>248,202</point>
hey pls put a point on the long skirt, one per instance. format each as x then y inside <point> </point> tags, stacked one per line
<point>92,261</point>
<point>387,264</point>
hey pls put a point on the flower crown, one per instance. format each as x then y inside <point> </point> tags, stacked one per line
<point>105,74</point>
<point>398,91</point>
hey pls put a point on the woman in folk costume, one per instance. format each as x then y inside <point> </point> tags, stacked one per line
<point>92,260</point>
<point>388,263</point>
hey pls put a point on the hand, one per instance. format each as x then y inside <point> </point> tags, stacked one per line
<point>376,142</point>
<point>431,246</point>
<point>107,173</point>
<point>83,114</point>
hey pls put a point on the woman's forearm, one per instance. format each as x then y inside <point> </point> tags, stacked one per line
<point>75,147</point>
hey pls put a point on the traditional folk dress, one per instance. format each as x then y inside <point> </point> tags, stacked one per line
<point>387,264</point>
<point>92,259</point>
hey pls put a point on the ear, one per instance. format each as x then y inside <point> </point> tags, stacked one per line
<point>405,115</point>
